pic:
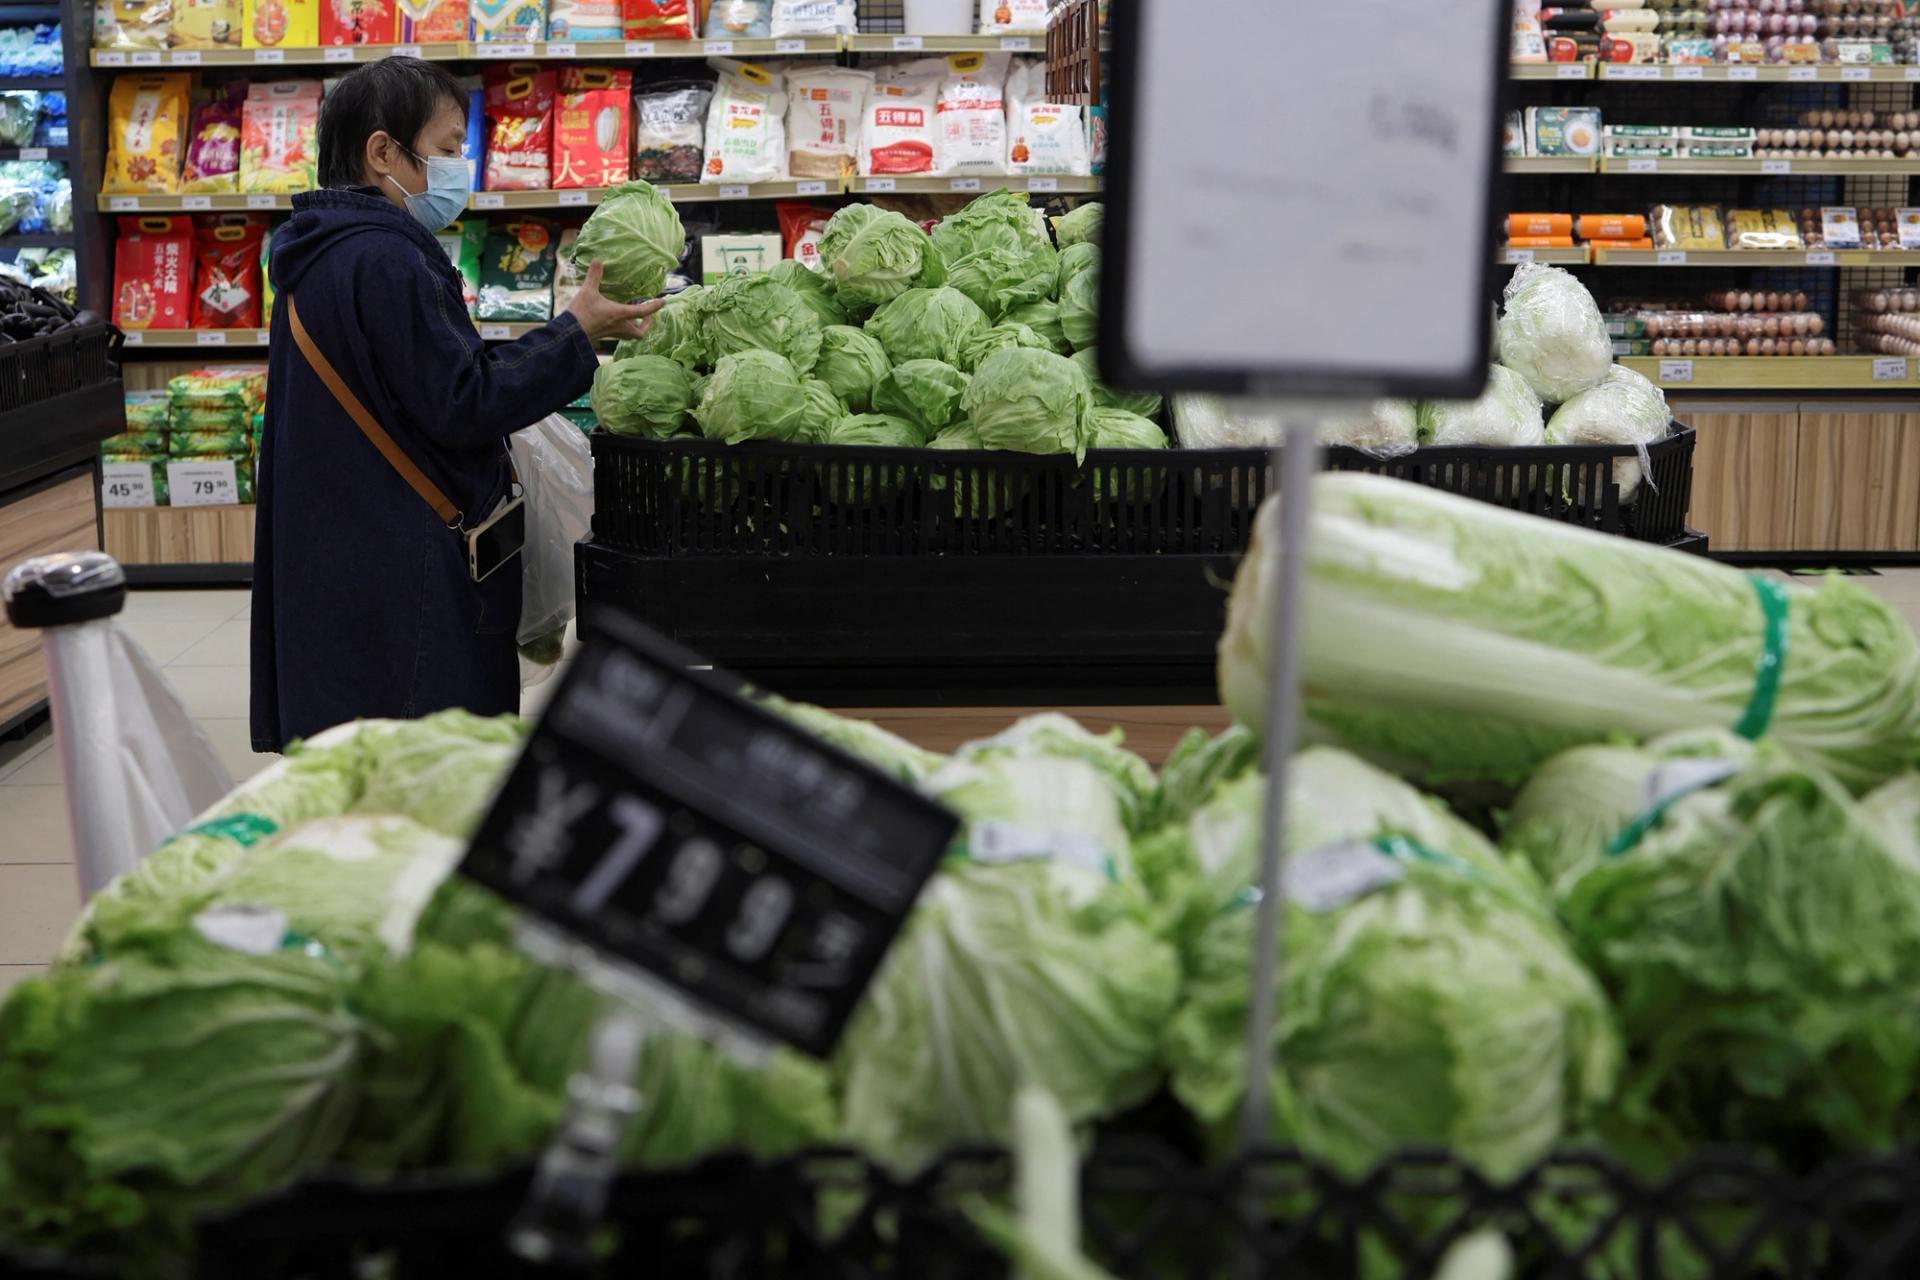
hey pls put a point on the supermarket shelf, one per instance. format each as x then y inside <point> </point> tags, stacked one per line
<point>175,338</point>
<point>32,153</point>
<point>1721,74</point>
<point>33,82</point>
<point>903,185</point>
<point>468,51</point>
<point>505,332</point>
<point>1036,42</point>
<point>1756,258</point>
<point>1552,71</point>
<point>1856,167</point>
<point>1551,164</point>
<point>1777,373</point>
<point>36,240</point>
<point>1574,257</point>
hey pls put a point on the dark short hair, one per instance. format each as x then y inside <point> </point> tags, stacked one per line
<point>398,95</point>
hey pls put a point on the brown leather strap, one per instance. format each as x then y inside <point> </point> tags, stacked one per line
<point>449,514</point>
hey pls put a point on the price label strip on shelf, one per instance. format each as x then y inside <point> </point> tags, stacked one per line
<point>496,332</point>
<point>1517,256</point>
<point>210,338</point>
<point>202,484</point>
<point>1743,73</point>
<point>1890,369</point>
<point>706,841</point>
<point>1643,164</point>
<point>269,57</point>
<point>343,53</point>
<point>573,197</point>
<point>789,46</point>
<point>1803,73</point>
<point>639,48</point>
<point>1776,166</point>
<point>1676,371</point>
<point>1572,71</point>
<point>809,188</point>
<point>1043,184</point>
<point>1671,258</point>
<point>1687,71</point>
<point>1821,258</point>
<point>126,484</point>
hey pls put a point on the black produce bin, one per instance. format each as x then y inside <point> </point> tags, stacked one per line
<point>1147,1214</point>
<point>912,577</point>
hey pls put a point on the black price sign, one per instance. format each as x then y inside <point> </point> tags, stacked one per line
<point>666,820</point>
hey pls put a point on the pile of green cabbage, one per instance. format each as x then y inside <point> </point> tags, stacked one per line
<point>897,323</point>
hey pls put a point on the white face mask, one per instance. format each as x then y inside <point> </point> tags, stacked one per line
<point>448,181</point>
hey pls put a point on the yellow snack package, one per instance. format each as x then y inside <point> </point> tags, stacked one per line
<point>277,24</point>
<point>146,119</point>
<point>207,24</point>
<point>138,24</point>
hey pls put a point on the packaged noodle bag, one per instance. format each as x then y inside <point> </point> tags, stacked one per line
<point>746,125</point>
<point>281,24</point>
<point>824,110</point>
<point>147,116</point>
<point>213,144</point>
<point>432,21</point>
<point>591,129</point>
<point>207,24</point>
<point>278,148</point>
<point>970,119</point>
<point>999,16</point>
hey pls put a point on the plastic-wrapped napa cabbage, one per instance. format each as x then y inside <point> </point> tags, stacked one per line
<point>1552,334</point>
<point>1625,409</point>
<point>1507,413</point>
<point>1215,422</point>
<point>1387,427</point>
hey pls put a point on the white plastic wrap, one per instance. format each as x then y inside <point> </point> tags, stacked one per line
<point>1552,334</point>
<point>555,467</point>
<point>1507,414</point>
<point>1213,422</point>
<point>1625,409</point>
<point>812,17</point>
<point>1388,428</point>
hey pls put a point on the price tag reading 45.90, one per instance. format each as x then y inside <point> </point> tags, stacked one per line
<point>681,828</point>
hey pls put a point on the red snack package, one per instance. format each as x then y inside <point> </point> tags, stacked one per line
<point>226,277</point>
<point>152,272</point>
<point>592,131</point>
<point>800,229</point>
<point>659,19</point>
<point>519,106</point>
<point>357,22</point>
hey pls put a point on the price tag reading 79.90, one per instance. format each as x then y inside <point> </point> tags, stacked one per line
<point>676,826</point>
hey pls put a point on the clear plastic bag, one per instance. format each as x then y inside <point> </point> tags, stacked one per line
<point>555,467</point>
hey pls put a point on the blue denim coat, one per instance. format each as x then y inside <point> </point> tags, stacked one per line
<point>362,604</point>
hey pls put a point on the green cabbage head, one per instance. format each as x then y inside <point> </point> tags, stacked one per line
<point>755,395</point>
<point>1145,403</point>
<point>926,393</point>
<point>637,233</point>
<point>999,219</point>
<point>1031,401</point>
<point>758,313</point>
<point>873,256</point>
<point>642,396</point>
<point>677,332</point>
<point>814,289</point>
<point>1082,226</point>
<point>852,362</point>
<point>927,324</point>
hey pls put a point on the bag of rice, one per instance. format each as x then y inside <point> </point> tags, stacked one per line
<point>970,119</point>
<point>824,108</point>
<point>746,125</point>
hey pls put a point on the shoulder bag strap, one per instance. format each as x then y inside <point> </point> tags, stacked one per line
<point>450,515</point>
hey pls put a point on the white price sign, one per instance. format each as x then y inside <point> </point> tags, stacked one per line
<point>1743,73</point>
<point>210,338</point>
<point>341,54</point>
<point>495,332</point>
<point>1776,166</point>
<point>489,200</point>
<point>1676,371</point>
<point>407,51</point>
<point>880,184</point>
<point>109,58</point>
<point>1016,44</point>
<point>719,48</point>
<point>1687,71</point>
<point>133,338</point>
<point>572,197</point>
<point>562,49</point>
<point>1913,73</point>
<point>1518,256</point>
<point>202,484</point>
<point>1856,73</point>
<point>1671,258</point>
<point>194,204</point>
<point>1890,369</point>
<point>185,58</point>
<point>1821,258</point>
<point>964,184</point>
<point>789,46</point>
<point>1633,73</point>
<point>1803,73</point>
<point>809,188</point>
<point>123,204</point>
<point>1572,71</point>
<point>269,56</point>
<point>1043,184</point>
<point>262,202</point>
<point>907,43</point>
<point>147,58</point>
<point>1643,164</point>
<point>735,191</point>
<point>33,153</point>
<point>639,48</point>
<point>126,484</point>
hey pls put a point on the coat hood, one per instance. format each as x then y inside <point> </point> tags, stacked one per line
<point>323,219</point>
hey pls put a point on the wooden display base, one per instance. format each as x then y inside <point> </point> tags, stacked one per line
<point>179,535</point>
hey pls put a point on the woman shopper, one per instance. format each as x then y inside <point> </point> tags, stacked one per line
<point>372,594</point>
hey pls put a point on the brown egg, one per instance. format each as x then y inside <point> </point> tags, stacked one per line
<point>1773,327</point>
<point>1799,347</point>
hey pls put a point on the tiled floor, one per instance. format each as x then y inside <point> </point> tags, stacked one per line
<point>200,638</point>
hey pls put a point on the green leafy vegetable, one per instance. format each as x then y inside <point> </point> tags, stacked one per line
<point>1044,319</point>
<point>1507,413</point>
<point>441,770</point>
<point>813,288</point>
<point>927,393</point>
<point>927,324</point>
<point>1082,226</point>
<point>1032,401</point>
<point>999,279</point>
<point>755,395</point>
<point>642,396</point>
<point>1534,636</point>
<point>1002,337</point>
<point>887,751</point>
<point>1146,404</point>
<point>636,233</point>
<point>852,362</point>
<point>756,313</point>
<point>876,429</point>
<point>820,411</point>
<point>874,256</point>
<point>1080,309</point>
<point>1002,219</point>
<point>676,332</point>
<point>1552,335</point>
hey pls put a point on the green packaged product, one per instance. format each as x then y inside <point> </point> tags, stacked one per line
<point>147,410</point>
<point>465,241</point>
<point>230,387</point>
<point>209,444</point>
<point>136,444</point>
<point>516,272</point>
<point>234,418</point>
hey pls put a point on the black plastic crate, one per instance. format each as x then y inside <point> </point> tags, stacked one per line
<point>1148,1213</point>
<point>687,497</point>
<point>42,368</point>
